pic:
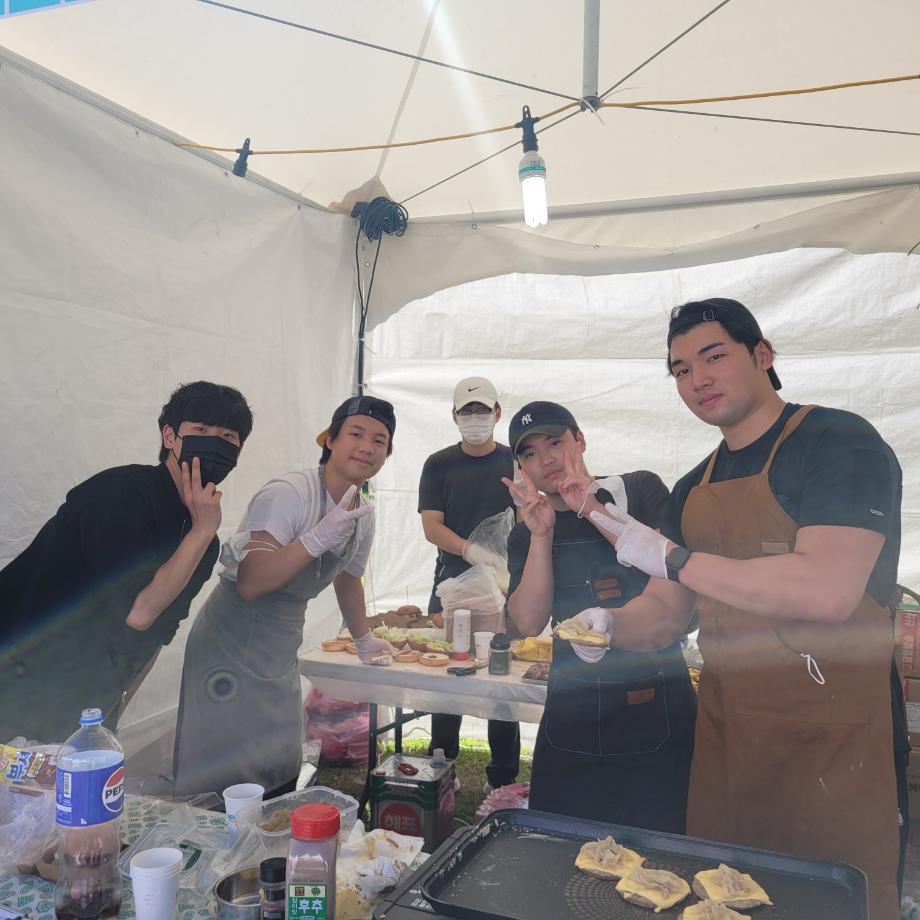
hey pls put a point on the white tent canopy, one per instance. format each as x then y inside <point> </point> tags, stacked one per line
<point>128,264</point>
<point>216,75</point>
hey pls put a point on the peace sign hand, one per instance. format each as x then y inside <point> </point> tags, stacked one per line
<point>536,511</point>
<point>575,486</point>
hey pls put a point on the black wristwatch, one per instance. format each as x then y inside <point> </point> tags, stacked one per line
<point>675,561</point>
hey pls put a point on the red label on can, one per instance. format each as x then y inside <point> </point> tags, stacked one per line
<point>401,818</point>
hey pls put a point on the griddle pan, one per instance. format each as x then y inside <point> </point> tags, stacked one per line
<point>520,865</point>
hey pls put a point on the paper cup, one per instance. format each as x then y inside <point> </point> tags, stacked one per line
<point>238,797</point>
<point>155,880</point>
<point>481,641</point>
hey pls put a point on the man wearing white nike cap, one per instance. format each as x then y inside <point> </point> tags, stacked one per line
<point>460,487</point>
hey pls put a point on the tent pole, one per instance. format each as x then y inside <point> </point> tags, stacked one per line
<point>693,200</point>
<point>591,50</point>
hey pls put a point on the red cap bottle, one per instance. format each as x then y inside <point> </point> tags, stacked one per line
<point>315,822</point>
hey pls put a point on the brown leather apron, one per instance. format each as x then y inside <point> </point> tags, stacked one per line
<point>793,736</point>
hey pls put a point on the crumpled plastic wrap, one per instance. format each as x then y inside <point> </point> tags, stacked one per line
<point>369,865</point>
<point>27,827</point>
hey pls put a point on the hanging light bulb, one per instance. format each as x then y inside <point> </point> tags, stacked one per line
<point>532,173</point>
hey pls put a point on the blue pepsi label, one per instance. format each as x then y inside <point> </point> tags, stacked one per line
<point>86,797</point>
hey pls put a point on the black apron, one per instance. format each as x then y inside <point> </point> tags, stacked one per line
<point>616,738</point>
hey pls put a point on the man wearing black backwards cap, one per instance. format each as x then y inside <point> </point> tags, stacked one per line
<point>88,605</point>
<point>460,487</point>
<point>240,709</point>
<point>786,538</point>
<point>616,737</point>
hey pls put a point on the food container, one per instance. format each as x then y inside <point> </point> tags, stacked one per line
<point>262,816</point>
<point>414,796</point>
<point>237,895</point>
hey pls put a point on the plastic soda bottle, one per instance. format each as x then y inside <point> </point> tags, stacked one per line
<point>89,800</point>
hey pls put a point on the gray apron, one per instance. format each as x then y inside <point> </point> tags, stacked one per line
<point>240,709</point>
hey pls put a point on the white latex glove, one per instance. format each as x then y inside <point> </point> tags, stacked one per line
<point>637,545</point>
<point>336,527</point>
<point>598,618</point>
<point>372,650</point>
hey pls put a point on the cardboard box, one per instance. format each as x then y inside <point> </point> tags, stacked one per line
<point>913,783</point>
<point>907,640</point>
<point>912,704</point>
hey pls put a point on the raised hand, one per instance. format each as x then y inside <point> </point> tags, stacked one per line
<point>575,486</point>
<point>336,527</point>
<point>536,511</point>
<point>203,502</point>
<point>636,544</point>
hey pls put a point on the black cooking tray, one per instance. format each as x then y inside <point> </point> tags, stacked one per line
<point>520,865</point>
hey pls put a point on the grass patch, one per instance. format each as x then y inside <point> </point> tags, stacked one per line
<point>471,771</point>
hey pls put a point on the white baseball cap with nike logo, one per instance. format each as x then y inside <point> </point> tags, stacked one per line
<point>475,390</point>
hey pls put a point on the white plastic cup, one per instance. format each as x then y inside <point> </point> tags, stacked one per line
<point>482,640</point>
<point>155,880</point>
<point>238,797</point>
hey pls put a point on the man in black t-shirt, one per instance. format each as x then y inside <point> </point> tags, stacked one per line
<point>88,604</point>
<point>616,737</point>
<point>460,487</point>
<point>786,538</point>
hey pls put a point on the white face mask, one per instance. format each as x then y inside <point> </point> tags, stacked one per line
<point>476,429</point>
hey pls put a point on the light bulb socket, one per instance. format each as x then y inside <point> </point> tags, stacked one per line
<point>529,140</point>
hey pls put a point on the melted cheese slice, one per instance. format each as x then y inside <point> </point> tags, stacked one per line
<point>731,886</point>
<point>710,910</point>
<point>607,859</point>
<point>572,631</point>
<point>661,888</point>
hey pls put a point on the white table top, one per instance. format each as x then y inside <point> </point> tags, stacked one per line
<point>416,686</point>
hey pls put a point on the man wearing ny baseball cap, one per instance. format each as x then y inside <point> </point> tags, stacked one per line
<point>616,736</point>
<point>785,539</point>
<point>460,487</point>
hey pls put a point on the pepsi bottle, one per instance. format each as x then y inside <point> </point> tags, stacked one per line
<point>90,795</point>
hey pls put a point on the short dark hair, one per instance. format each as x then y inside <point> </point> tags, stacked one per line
<point>734,317</point>
<point>333,432</point>
<point>208,403</point>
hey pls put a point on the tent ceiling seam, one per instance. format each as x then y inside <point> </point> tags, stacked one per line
<point>410,82</point>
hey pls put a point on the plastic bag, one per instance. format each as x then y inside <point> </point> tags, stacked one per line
<point>516,795</point>
<point>341,727</point>
<point>27,826</point>
<point>474,590</point>
<point>491,535</point>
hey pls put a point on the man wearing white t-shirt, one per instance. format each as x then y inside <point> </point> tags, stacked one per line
<point>301,532</point>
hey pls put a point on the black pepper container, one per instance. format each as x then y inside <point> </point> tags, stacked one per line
<point>272,876</point>
<point>500,654</point>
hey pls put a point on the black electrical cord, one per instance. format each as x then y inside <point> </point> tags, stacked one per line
<point>376,219</point>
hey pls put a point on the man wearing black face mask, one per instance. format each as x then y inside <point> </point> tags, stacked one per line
<point>88,604</point>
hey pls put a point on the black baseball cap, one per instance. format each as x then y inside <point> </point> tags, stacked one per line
<point>737,319</point>
<point>539,418</point>
<point>370,406</point>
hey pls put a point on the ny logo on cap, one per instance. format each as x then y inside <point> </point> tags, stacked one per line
<point>526,419</point>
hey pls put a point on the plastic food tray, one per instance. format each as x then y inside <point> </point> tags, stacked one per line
<point>275,843</point>
<point>520,865</point>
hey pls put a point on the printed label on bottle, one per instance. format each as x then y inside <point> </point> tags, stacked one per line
<point>86,797</point>
<point>272,910</point>
<point>307,902</point>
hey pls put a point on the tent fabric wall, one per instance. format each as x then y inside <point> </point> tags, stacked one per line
<point>128,266</point>
<point>437,254</point>
<point>844,326</point>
